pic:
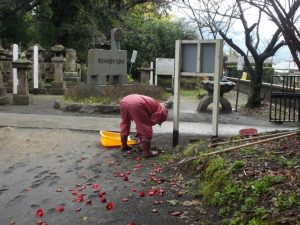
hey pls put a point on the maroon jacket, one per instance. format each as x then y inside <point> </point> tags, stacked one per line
<point>144,111</point>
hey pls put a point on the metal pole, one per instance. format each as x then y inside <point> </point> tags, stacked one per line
<point>176,93</point>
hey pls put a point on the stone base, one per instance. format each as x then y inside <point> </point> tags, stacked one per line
<point>207,100</point>
<point>57,88</point>
<point>5,100</point>
<point>22,100</point>
<point>38,91</point>
<point>2,91</point>
<point>58,84</point>
<point>57,91</point>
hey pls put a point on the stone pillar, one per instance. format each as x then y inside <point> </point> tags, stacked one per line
<point>23,67</point>
<point>30,54</point>
<point>145,75</point>
<point>71,75</point>
<point>116,37</point>
<point>58,86</point>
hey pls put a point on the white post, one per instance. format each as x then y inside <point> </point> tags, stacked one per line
<point>216,94</point>
<point>176,92</point>
<point>15,76</point>
<point>155,79</point>
<point>151,73</point>
<point>35,67</point>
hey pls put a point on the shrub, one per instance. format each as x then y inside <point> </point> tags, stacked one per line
<point>112,94</point>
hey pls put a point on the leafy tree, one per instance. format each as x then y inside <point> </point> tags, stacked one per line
<point>153,35</point>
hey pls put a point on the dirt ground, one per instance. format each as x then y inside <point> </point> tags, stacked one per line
<point>46,169</point>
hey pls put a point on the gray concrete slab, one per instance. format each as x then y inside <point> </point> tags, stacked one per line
<point>41,114</point>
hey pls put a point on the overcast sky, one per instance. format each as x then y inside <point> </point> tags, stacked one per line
<point>267,29</point>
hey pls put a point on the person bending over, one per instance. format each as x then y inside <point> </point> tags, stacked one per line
<point>145,112</point>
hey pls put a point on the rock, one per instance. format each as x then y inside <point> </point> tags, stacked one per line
<point>73,107</point>
<point>88,109</point>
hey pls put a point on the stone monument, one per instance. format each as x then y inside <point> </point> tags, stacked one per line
<point>116,37</point>
<point>107,67</point>
<point>58,86</point>
<point>71,75</point>
<point>23,67</point>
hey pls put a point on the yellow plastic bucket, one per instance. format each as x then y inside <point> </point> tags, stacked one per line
<point>113,139</point>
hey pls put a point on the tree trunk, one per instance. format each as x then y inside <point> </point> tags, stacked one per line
<point>254,98</point>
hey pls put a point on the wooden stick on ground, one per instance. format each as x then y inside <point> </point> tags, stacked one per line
<point>250,144</point>
<point>248,139</point>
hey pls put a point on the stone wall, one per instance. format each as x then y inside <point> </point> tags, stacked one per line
<point>265,90</point>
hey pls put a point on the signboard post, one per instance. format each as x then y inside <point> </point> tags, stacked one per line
<point>164,66</point>
<point>240,65</point>
<point>197,58</point>
<point>132,60</point>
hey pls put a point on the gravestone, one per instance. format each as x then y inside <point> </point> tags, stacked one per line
<point>23,67</point>
<point>71,76</point>
<point>58,86</point>
<point>106,64</point>
<point>116,37</point>
<point>4,98</point>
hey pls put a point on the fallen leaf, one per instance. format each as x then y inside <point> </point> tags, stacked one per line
<point>59,190</point>
<point>89,202</point>
<point>60,209</point>
<point>39,212</point>
<point>173,202</point>
<point>95,186</point>
<point>175,213</point>
<point>193,202</point>
<point>154,210</point>
<point>80,198</point>
<point>109,206</point>
<point>103,200</point>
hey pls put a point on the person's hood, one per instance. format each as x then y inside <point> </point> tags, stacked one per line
<point>160,116</point>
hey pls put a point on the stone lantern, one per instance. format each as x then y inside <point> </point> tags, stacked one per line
<point>23,67</point>
<point>58,86</point>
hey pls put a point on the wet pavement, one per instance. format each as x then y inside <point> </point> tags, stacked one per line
<point>51,158</point>
<point>45,169</point>
<point>42,114</point>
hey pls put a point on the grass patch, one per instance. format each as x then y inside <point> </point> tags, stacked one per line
<point>250,185</point>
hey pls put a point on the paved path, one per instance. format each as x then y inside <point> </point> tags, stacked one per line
<point>43,115</point>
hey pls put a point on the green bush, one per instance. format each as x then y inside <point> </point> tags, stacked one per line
<point>268,72</point>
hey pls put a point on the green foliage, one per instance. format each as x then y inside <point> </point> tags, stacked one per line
<point>215,177</point>
<point>82,25</point>
<point>237,165</point>
<point>164,158</point>
<point>286,201</point>
<point>153,37</point>
<point>265,183</point>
